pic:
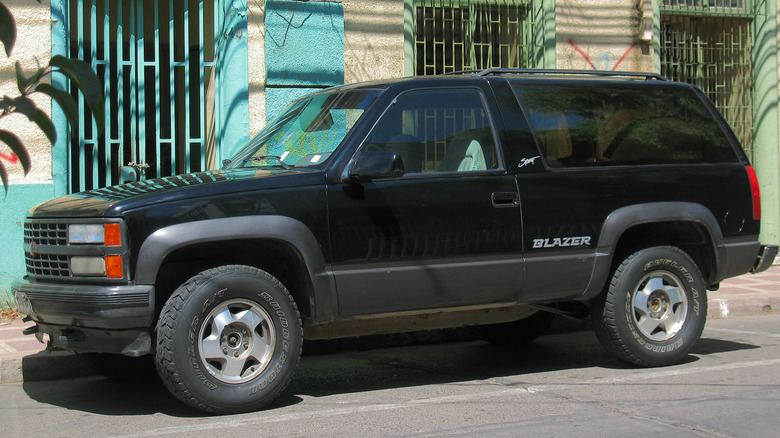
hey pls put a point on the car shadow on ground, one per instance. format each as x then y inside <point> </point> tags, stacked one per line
<point>360,366</point>
<point>707,346</point>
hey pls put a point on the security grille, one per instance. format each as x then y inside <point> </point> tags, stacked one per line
<point>155,59</point>
<point>454,35</point>
<point>727,6</point>
<point>710,44</point>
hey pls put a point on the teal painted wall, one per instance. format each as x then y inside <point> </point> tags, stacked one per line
<point>304,50</point>
<point>232,79</point>
<point>60,43</point>
<point>20,198</point>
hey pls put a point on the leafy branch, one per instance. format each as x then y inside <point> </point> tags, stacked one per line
<point>78,72</point>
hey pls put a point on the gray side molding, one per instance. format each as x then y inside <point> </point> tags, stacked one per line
<point>624,218</point>
<point>164,241</point>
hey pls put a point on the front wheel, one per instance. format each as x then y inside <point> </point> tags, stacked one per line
<point>228,340</point>
<point>654,310</point>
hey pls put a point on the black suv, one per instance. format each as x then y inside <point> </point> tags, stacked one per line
<point>492,199</point>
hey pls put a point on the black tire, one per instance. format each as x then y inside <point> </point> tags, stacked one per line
<point>655,308</point>
<point>518,332</point>
<point>229,340</point>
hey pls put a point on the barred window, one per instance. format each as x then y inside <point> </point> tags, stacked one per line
<point>476,34</point>
<point>710,44</point>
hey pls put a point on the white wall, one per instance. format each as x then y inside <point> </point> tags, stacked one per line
<point>33,45</point>
<point>604,32</point>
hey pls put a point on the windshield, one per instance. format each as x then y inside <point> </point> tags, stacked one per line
<point>307,132</point>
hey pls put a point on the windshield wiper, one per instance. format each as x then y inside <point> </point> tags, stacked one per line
<point>284,165</point>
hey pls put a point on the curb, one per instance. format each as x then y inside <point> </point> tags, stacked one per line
<point>44,365</point>
<point>721,306</point>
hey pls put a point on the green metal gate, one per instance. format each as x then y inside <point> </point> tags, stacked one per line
<point>710,44</point>
<point>159,62</point>
<point>454,35</point>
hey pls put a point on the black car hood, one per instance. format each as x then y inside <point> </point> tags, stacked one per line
<point>114,200</point>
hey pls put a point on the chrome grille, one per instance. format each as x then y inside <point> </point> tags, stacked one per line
<point>45,233</point>
<point>50,265</point>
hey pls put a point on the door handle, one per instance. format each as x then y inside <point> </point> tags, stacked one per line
<point>505,199</point>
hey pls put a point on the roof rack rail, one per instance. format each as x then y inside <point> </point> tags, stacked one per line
<point>500,71</point>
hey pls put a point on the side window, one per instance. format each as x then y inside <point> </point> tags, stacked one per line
<point>593,125</point>
<point>437,131</point>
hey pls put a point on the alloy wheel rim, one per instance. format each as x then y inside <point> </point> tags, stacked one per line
<point>659,306</point>
<point>236,341</point>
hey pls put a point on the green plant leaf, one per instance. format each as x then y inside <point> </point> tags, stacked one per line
<point>64,100</point>
<point>7,30</point>
<point>84,78</point>
<point>27,107</point>
<point>17,148</point>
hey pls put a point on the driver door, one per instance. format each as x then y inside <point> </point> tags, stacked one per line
<point>445,234</point>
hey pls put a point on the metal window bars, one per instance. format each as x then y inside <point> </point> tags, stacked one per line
<point>155,59</point>
<point>710,44</point>
<point>728,8</point>
<point>454,35</point>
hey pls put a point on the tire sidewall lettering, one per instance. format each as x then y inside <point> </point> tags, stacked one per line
<point>236,285</point>
<point>623,337</point>
<point>192,359</point>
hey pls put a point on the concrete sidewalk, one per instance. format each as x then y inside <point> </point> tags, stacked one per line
<point>23,358</point>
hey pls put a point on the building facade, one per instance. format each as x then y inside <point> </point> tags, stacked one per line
<point>187,82</point>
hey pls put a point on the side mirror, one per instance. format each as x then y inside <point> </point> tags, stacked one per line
<point>371,165</point>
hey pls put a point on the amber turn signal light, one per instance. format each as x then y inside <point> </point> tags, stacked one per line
<point>114,266</point>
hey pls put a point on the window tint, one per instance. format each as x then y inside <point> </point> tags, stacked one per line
<point>437,131</point>
<point>586,125</point>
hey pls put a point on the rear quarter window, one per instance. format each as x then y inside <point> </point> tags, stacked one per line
<point>579,125</point>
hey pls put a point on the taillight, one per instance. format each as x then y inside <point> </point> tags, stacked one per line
<point>755,191</point>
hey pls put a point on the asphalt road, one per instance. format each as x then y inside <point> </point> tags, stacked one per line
<point>561,385</point>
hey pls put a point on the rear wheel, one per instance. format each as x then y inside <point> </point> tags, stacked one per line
<point>655,308</point>
<point>228,340</point>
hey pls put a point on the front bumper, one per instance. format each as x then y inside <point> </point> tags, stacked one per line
<point>108,319</point>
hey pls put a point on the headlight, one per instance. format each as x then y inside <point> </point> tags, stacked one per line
<point>108,234</point>
<point>109,266</point>
<point>81,233</point>
<point>88,266</point>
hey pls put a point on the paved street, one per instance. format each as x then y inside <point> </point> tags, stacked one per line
<point>561,385</point>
